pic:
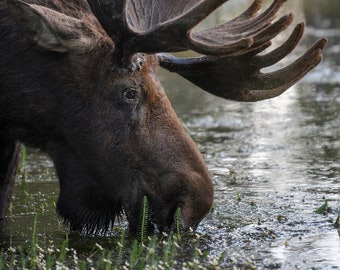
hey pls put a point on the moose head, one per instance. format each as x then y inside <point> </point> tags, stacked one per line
<point>79,82</point>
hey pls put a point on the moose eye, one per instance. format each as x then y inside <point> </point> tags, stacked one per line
<point>131,94</point>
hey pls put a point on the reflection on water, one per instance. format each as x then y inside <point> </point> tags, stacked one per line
<point>273,164</point>
<point>313,250</point>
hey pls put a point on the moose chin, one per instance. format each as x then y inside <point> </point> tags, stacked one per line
<point>78,81</point>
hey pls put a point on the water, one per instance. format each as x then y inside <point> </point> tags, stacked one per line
<point>274,163</point>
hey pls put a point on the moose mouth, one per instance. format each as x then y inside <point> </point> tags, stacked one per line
<point>155,220</point>
<point>174,223</point>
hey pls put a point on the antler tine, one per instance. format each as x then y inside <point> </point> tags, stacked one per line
<point>243,23</point>
<point>275,83</point>
<point>235,44</point>
<point>224,39</point>
<point>280,80</point>
<point>238,77</point>
<point>252,10</point>
<point>269,59</point>
<point>193,16</point>
<point>264,18</point>
<point>272,30</point>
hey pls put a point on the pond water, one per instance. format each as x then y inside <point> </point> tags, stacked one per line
<point>274,163</point>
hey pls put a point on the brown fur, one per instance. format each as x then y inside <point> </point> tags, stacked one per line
<point>113,136</point>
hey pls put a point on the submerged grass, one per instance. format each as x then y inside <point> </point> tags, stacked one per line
<point>117,251</point>
<point>155,252</point>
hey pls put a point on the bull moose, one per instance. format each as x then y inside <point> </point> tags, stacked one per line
<point>78,81</point>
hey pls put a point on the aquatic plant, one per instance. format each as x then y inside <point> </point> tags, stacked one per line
<point>144,220</point>
<point>323,209</point>
<point>163,251</point>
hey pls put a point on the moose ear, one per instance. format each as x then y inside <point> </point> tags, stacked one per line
<point>52,30</point>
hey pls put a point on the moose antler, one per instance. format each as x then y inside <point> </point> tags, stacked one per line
<point>231,66</point>
<point>239,77</point>
<point>153,26</point>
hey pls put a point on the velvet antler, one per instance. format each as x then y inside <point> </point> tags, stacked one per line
<point>230,66</point>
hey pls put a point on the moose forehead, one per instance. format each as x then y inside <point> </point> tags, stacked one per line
<point>140,74</point>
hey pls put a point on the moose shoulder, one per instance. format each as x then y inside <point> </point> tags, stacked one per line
<point>78,80</point>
